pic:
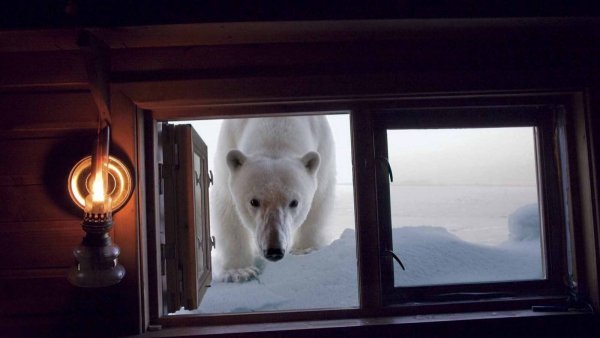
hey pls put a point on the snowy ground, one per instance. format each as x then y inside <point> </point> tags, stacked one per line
<point>443,235</point>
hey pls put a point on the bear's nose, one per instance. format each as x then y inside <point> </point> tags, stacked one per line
<point>273,254</point>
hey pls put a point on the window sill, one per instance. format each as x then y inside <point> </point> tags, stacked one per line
<point>491,323</point>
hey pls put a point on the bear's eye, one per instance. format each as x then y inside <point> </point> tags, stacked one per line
<point>255,203</point>
<point>293,204</point>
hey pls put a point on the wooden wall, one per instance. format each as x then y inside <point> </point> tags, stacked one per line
<point>48,124</point>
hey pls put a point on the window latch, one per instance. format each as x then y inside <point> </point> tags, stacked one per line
<point>396,258</point>
<point>213,242</point>
<point>389,169</point>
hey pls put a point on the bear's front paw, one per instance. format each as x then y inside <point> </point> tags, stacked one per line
<point>302,251</point>
<point>240,275</point>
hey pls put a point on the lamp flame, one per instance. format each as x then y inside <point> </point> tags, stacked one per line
<point>98,189</point>
<point>98,201</point>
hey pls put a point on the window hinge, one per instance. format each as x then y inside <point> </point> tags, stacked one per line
<point>165,172</point>
<point>180,283</point>
<point>176,155</point>
<point>163,260</point>
<point>166,252</point>
<point>161,178</point>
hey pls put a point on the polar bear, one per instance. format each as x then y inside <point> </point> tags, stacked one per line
<point>273,192</point>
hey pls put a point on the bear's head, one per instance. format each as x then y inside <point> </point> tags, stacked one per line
<point>272,196</point>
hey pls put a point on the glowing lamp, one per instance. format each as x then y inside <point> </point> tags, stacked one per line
<point>98,202</point>
<point>97,257</point>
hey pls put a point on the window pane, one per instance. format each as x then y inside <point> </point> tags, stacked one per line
<point>199,214</point>
<point>464,205</point>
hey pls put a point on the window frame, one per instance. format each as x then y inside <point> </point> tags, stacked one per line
<point>363,111</point>
<point>545,120</point>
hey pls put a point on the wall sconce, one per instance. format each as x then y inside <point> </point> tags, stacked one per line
<point>99,184</point>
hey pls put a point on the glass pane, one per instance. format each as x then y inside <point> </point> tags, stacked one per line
<point>198,212</point>
<point>464,206</point>
<point>323,278</point>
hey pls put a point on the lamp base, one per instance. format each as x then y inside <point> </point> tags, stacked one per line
<point>97,264</point>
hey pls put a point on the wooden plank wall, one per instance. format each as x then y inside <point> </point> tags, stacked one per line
<point>43,133</point>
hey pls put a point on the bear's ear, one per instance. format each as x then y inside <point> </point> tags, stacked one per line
<point>235,159</point>
<point>311,162</point>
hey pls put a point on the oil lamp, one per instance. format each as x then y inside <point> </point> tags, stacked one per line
<point>96,256</point>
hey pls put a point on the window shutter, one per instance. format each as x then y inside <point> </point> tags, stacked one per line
<point>187,229</point>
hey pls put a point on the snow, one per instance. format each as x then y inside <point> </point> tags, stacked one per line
<point>433,256</point>
<point>474,213</point>
<point>321,279</point>
<point>523,224</point>
<point>470,235</point>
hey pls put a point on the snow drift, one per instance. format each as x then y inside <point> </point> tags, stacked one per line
<point>328,278</point>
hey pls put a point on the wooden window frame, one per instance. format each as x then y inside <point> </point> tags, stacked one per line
<point>546,121</point>
<point>363,111</point>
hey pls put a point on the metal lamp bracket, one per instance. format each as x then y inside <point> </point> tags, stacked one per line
<point>120,184</point>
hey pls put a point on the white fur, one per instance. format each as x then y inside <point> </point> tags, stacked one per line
<point>275,161</point>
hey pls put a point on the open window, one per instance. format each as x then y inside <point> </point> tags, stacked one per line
<point>325,278</point>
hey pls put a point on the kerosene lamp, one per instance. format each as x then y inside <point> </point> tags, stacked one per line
<point>97,257</point>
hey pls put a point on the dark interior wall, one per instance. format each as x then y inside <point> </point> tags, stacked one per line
<point>48,123</point>
<point>48,120</point>
<point>39,227</point>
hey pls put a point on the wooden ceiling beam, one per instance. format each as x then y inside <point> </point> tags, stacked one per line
<point>242,33</point>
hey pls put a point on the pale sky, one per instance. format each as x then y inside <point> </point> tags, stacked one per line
<point>490,156</point>
<point>486,156</point>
